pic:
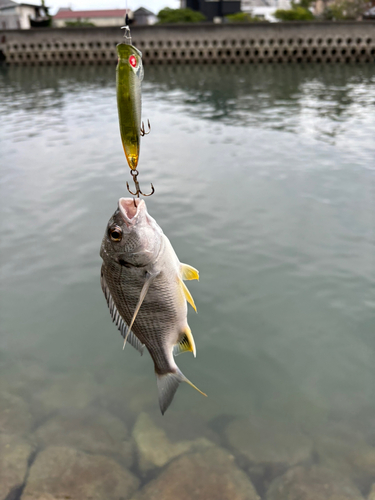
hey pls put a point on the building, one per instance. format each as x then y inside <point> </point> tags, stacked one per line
<point>369,14</point>
<point>144,16</point>
<point>248,5</point>
<point>264,9</point>
<point>15,15</point>
<point>213,8</point>
<point>113,17</point>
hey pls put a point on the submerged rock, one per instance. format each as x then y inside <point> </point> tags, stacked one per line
<point>60,472</point>
<point>312,483</point>
<point>15,417</point>
<point>365,421</point>
<point>268,446</point>
<point>209,475</point>
<point>99,433</point>
<point>372,493</point>
<point>154,447</point>
<point>14,456</point>
<point>348,453</point>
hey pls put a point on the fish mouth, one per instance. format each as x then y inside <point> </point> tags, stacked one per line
<point>130,209</point>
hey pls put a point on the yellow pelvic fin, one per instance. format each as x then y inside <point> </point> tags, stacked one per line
<point>185,344</point>
<point>187,294</point>
<point>195,387</point>
<point>189,272</point>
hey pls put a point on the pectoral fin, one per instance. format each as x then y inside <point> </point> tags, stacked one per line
<point>118,319</point>
<point>189,272</point>
<point>185,344</point>
<point>187,294</point>
<point>146,286</point>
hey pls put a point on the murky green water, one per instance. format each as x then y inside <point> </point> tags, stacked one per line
<point>265,182</point>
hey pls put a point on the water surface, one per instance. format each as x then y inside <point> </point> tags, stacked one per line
<point>264,179</point>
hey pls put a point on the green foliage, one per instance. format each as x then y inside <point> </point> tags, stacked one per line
<point>345,9</point>
<point>297,13</point>
<point>242,17</point>
<point>78,24</point>
<point>169,15</point>
<point>306,4</point>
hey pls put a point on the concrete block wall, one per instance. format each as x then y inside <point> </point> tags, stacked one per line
<point>338,42</point>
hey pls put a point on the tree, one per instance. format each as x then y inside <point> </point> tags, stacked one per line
<point>169,15</point>
<point>346,9</point>
<point>242,17</point>
<point>298,12</point>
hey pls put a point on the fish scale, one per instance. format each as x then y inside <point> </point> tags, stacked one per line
<point>157,312</point>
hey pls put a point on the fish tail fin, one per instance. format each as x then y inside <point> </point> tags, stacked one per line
<point>167,386</point>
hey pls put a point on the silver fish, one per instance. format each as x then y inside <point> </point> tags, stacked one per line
<point>142,280</point>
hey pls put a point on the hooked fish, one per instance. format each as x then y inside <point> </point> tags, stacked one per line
<point>142,280</point>
<point>129,76</point>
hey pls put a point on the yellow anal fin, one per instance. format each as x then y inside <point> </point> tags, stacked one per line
<point>185,344</point>
<point>187,294</point>
<point>189,272</point>
<point>194,386</point>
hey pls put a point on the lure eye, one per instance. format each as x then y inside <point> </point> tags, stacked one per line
<point>133,61</point>
<point>115,233</point>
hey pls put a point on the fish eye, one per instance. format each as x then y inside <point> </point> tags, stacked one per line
<point>115,233</point>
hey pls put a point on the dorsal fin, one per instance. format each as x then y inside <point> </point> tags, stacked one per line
<point>118,319</point>
<point>187,294</point>
<point>189,272</point>
<point>186,343</point>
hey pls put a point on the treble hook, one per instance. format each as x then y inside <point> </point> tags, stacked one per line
<point>134,174</point>
<point>143,131</point>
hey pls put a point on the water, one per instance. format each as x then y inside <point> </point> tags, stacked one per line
<point>264,180</point>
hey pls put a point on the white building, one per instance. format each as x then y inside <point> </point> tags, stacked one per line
<point>112,17</point>
<point>15,15</point>
<point>264,9</point>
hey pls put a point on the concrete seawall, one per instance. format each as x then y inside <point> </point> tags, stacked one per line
<point>328,42</point>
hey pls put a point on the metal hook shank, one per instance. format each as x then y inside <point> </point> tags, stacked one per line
<point>143,131</point>
<point>131,192</point>
<point>127,34</point>
<point>138,191</point>
<point>134,174</point>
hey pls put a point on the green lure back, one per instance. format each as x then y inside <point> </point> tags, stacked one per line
<point>129,76</point>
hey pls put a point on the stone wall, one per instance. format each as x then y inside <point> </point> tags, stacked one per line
<point>337,42</point>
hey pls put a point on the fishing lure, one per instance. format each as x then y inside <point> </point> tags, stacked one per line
<point>129,76</point>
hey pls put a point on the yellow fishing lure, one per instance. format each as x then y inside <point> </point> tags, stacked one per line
<point>129,76</point>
